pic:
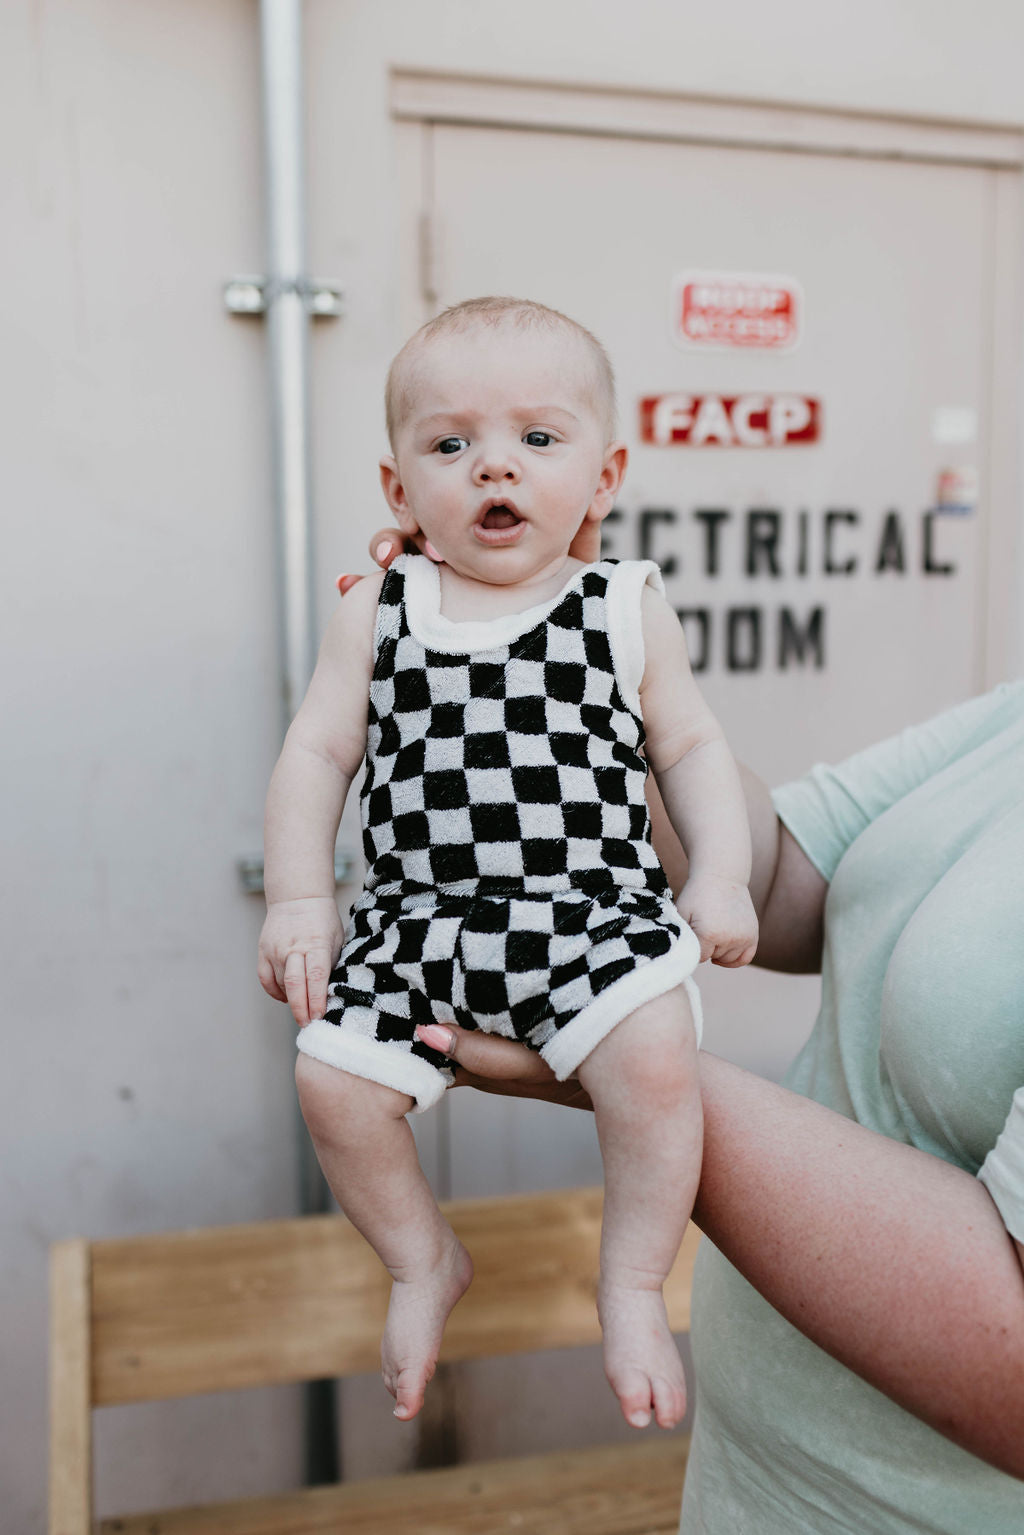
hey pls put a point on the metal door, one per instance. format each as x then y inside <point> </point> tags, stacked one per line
<point>826,602</point>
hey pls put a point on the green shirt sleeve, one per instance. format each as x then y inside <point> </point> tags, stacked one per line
<point>1002,1171</point>
<point>829,808</point>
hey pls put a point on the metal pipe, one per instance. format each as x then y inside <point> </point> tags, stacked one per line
<point>288,324</point>
<point>285,293</point>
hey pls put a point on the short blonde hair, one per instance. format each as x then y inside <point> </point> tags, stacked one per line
<point>496,312</point>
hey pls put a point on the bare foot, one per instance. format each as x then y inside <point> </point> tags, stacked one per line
<point>641,1360</point>
<point>417,1312</point>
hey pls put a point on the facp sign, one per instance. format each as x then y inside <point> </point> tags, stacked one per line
<point>729,421</point>
<point>729,311</point>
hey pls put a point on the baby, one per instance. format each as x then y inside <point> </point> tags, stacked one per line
<point>508,702</point>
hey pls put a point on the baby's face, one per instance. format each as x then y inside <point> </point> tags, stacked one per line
<point>501,453</point>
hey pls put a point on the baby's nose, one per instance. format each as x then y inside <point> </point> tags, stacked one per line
<point>496,465</point>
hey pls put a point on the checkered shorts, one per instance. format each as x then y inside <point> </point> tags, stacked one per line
<point>511,880</point>
<point>554,972</point>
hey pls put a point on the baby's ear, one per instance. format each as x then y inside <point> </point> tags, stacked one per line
<point>613,472</point>
<point>394,495</point>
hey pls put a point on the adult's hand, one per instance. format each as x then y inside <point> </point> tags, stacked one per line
<point>385,546</point>
<point>388,543</point>
<point>496,1065</point>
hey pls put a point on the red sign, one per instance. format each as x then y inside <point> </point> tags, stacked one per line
<point>729,421</point>
<point>729,310</point>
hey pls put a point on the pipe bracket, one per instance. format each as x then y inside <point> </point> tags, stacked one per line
<point>247,295</point>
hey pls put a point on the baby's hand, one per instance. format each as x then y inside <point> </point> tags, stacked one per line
<point>299,944</point>
<point>722,915</point>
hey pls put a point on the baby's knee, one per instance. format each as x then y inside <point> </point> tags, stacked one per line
<point>652,1052</point>
<point>337,1105</point>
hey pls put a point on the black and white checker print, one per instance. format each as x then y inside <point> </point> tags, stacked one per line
<point>525,967</point>
<point>511,881</point>
<point>519,764</point>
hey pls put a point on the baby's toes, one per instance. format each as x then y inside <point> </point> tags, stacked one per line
<point>407,1387</point>
<point>669,1401</point>
<point>633,1390</point>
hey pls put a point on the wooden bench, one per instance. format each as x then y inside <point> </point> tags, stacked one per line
<point>151,1317</point>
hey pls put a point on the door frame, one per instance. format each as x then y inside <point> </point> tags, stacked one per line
<point>426,99</point>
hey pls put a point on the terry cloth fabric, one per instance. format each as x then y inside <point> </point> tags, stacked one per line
<point>511,883</point>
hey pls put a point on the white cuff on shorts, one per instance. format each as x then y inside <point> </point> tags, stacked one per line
<point>574,1042</point>
<point>392,1065</point>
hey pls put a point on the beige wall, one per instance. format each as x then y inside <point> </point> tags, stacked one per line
<point>145,1081</point>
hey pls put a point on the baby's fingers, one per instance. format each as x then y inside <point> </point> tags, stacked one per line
<point>268,979</point>
<point>318,973</point>
<point>708,942</point>
<point>295,987</point>
<point>732,956</point>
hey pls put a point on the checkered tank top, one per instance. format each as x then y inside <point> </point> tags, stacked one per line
<point>504,756</point>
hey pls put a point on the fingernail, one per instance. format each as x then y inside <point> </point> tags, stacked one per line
<point>340,580</point>
<point>437,1037</point>
<point>382,551</point>
<point>639,1419</point>
<point>431,552</point>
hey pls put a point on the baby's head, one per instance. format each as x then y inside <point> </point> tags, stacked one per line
<point>493,319</point>
<point>501,418</point>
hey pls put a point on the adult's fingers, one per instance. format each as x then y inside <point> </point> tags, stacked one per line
<point>486,1055</point>
<point>586,544</point>
<point>386,545</point>
<point>496,1065</point>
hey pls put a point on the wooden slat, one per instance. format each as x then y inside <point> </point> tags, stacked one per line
<point>631,1489</point>
<point>277,1301</point>
<point>70,1421</point>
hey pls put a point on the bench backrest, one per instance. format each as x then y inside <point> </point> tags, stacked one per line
<point>146,1318</point>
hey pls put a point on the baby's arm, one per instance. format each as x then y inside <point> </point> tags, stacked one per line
<point>700,785</point>
<point>322,752</point>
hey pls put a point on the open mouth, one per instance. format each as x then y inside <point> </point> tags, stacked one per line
<point>500,524</point>
<point>500,517</point>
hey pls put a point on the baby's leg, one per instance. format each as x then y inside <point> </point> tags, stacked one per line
<point>368,1156</point>
<point>642,1079</point>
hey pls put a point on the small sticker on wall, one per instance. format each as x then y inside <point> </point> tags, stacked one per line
<point>736,311</point>
<point>957,491</point>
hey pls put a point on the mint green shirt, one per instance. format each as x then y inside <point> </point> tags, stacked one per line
<point>920,1037</point>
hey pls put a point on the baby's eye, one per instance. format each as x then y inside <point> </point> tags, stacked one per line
<point>538,439</point>
<point>452,444</point>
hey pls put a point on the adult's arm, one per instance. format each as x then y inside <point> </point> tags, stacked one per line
<point>893,1262</point>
